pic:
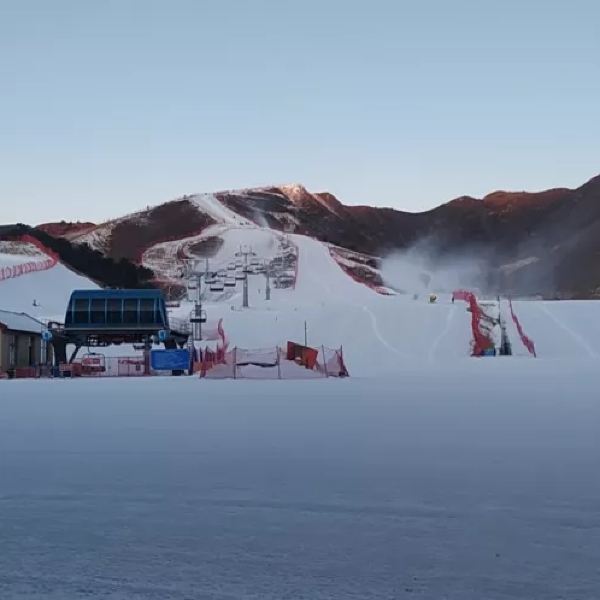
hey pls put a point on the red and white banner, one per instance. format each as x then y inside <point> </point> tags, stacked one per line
<point>31,266</point>
<point>527,341</point>
<point>481,342</point>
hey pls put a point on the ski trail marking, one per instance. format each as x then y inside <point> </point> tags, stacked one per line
<point>449,319</point>
<point>378,333</point>
<point>576,336</point>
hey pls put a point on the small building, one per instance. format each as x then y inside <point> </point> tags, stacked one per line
<point>21,343</point>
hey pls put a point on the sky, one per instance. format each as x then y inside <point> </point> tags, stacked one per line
<point>108,106</point>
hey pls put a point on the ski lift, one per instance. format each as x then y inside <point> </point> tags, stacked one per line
<point>231,266</point>
<point>240,276</point>
<point>247,270</point>
<point>201,318</point>
<point>254,262</point>
<point>239,264</point>
<point>93,363</point>
<point>218,286</point>
<point>221,273</point>
<point>211,280</point>
<point>230,282</point>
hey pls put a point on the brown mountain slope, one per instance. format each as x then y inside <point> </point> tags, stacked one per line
<point>533,243</point>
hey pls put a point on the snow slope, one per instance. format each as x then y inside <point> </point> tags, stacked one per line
<point>378,333</point>
<point>49,289</point>
<point>562,329</point>
<point>210,204</point>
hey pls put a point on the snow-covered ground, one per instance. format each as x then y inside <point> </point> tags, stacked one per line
<point>471,481</point>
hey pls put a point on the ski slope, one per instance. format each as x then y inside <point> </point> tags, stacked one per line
<point>381,333</point>
<point>48,290</point>
<point>378,333</point>
<point>562,329</point>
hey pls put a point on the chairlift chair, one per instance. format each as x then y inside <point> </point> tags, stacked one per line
<point>218,286</point>
<point>230,282</point>
<point>240,276</point>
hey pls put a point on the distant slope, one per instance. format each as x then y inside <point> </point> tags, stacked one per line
<point>84,260</point>
<point>544,243</point>
<point>43,294</point>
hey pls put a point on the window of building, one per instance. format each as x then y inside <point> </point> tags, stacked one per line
<point>147,311</point>
<point>114,311</point>
<point>130,311</point>
<point>81,311</point>
<point>98,311</point>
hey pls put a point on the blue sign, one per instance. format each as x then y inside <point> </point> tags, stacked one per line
<point>170,360</point>
<point>47,335</point>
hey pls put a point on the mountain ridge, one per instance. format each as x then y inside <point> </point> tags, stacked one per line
<point>552,235</point>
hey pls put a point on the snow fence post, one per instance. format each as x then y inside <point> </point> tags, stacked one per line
<point>324,361</point>
<point>278,364</point>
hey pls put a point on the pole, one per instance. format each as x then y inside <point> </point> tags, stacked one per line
<point>278,363</point>
<point>324,361</point>
<point>305,334</point>
<point>245,296</point>
<point>268,289</point>
<point>199,305</point>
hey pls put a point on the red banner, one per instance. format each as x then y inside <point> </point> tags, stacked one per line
<point>481,342</point>
<point>527,342</point>
<point>30,266</point>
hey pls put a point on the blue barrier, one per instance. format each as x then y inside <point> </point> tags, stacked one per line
<point>170,360</point>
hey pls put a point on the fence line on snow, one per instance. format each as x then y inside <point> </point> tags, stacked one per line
<point>31,266</point>
<point>271,363</point>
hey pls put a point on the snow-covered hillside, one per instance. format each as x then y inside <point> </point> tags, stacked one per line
<point>42,294</point>
<point>378,333</point>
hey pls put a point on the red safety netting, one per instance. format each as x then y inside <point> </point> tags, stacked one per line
<point>30,266</point>
<point>98,365</point>
<point>527,341</point>
<point>481,343</point>
<point>271,363</point>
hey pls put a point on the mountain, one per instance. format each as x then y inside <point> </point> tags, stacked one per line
<point>545,243</point>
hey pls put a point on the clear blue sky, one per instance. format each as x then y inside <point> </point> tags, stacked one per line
<point>107,106</point>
